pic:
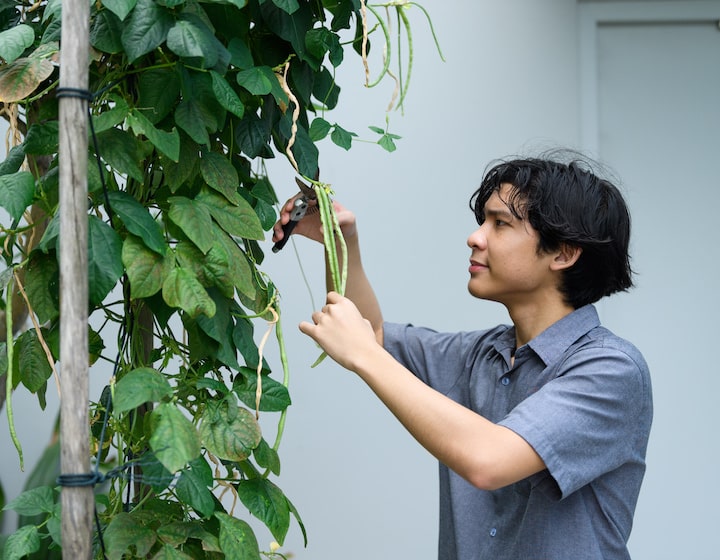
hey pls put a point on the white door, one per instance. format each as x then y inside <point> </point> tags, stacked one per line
<point>652,78</point>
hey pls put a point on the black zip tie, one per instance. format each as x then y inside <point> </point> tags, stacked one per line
<point>81,479</point>
<point>74,92</point>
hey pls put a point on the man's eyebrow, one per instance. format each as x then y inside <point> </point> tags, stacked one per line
<point>497,212</point>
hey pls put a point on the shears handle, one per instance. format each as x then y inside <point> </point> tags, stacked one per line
<point>297,214</point>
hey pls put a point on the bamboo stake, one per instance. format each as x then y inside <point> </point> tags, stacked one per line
<point>77,502</point>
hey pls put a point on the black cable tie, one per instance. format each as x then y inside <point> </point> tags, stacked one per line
<point>81,479</point>
<point>74,92</point>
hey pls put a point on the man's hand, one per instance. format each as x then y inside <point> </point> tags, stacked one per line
<point>342,332</point>
<point>310,225</point>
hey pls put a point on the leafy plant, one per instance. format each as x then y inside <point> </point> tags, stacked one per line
<point>189,97</point>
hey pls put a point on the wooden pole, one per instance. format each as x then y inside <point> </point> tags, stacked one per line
<point>77,502</point>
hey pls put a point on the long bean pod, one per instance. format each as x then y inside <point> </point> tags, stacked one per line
<point>332,237</point>
<point>9,379</point>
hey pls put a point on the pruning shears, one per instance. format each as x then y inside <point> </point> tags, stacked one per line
<point>300,208</point>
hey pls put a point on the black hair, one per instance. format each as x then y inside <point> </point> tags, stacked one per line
<point>567,203</point>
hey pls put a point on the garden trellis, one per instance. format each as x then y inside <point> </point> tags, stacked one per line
<point>77,501</point>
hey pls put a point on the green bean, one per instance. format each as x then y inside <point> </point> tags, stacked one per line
<point>386,56</point>
<point>332,237</point>
<point>11,371</point>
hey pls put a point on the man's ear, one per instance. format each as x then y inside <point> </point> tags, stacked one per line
<point>566,256</point>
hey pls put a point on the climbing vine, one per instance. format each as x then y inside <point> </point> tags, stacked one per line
<point>187,99</point>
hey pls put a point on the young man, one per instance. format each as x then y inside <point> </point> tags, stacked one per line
<point>540,427</point>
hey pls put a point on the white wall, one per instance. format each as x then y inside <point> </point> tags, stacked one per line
<point>365,488</point>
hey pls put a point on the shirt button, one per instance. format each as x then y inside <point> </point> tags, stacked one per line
<point>505,381</point>
<point>493,532</point>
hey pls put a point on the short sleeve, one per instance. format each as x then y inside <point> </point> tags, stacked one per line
<point>442,360</point>
<point>591,419</point>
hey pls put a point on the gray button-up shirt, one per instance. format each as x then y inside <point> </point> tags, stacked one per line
<point>581,397</point>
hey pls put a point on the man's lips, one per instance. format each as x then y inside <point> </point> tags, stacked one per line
<point>476,266</point>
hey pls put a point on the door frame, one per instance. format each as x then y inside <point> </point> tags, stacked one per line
<point>593,15</point>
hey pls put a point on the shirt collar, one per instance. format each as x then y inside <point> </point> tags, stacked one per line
<point>550,344</point>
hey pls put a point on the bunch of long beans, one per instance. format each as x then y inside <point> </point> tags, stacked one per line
<point>332,239</point>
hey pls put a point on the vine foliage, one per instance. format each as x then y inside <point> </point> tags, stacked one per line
<point>189,97</point>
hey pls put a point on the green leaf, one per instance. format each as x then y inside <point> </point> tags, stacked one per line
<point>342,137</point>
<point>121,150</point>
<point>33,502</point>
<point>167,552</point>
<point>319,129</point>
<point>176,174</point>
<point>226,96</point>
<point>104,259</point>
<point>33,365</point>
<point>306,153</point>
<point>158,91</point>
<point>266,502</point>
<point>199,111</point>
<point>181,289</point>
<point>125,533</point>
<point>217,270</point>
<point>191,38</point>
<point>263,190</point>
<point>320,41</point>
<point>229,431</point>
<point>106,32</point>
<point>275,396</point>
<point>258,80</point>
<point>240,269</point>
<point>193,260</point>
<point>292,28</point>
<point>193,491</point>
<point>42,138</point>
<point>110,118</point>
<point>16,192</point>
<point>154,473</point>
<point>49,239</point>
<point>139,386</point>
<point>15,40</point>
<point>145,268</point>
<point>296,514</point>
<point>252,135</point>
<point>288,6</point>
<point>245,343</point>
<point>237,539</point>
<point>325,89</point>
<point>121,8</point>
<point>22,77</point>
<point>166,142</point>
<point>240,54</point>
<point>267,458</point>
<point>386,142</point>
<point>236,219</point>
<point>190,118</point>
<point>218,327</point>
<point>219,173</point>
<point>146,29</point>
<point>138,220</point>
<point>174,439</point>
<point>13,161</point>
<point>194,220</point>
<point>42,286</point>
<point>23,542</point>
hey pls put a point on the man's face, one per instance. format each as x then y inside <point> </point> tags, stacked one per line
<point>505,265</point>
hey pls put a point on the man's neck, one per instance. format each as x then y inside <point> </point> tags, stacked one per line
<point>533,318</point>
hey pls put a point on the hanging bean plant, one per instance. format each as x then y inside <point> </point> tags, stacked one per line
<point>188,99</point>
